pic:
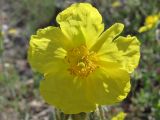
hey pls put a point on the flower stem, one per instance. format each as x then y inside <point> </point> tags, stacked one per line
<point>60,115</point>
<point>101,113</point>
<point>80,116</point>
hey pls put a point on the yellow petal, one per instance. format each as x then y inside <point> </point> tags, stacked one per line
<point>44,47</point>
<point>108,85</point>
<point>81,23</point>
<point>108,36</point>
<point>151,19</point>
<point>145,28</point>
<point>124,50</point>
<point>65,91</point>
<point>129,52</point>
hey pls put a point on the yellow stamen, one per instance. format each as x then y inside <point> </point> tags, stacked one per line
<point>81,61</point>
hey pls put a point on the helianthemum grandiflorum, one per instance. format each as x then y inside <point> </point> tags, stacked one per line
<point>83,66</point>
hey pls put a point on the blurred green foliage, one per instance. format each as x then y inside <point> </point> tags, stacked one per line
<point>31,13</point>
<point>130,12</point>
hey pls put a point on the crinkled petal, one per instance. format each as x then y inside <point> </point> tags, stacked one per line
<point>108,36</point>
<point>123,50</point>
<point>109,84</point>
<point>129,51</point>
<point>81,23</point>
<point>45,46</point>
<point>66,92</point>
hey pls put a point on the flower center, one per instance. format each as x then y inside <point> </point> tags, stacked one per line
<point>81,61</point>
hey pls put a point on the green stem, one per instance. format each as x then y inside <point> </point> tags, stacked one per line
<point>96,115</point>
<point>57,114</point>
<point>60,115</point>
<point>2,61</point>
<point>80,116</point>
<point>101,113</point>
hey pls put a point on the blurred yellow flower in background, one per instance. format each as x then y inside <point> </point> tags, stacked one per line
<point>150,22</point>
<point>119,116</point>
<point>12,31</point>
<point>116,4</point>
<point>83,66</point>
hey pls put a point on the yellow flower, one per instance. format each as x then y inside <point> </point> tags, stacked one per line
<point>82,66</point>
<point>13,31</point>
<point>150,22</point>
<point>116,4</point>
<point>119,116</point>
